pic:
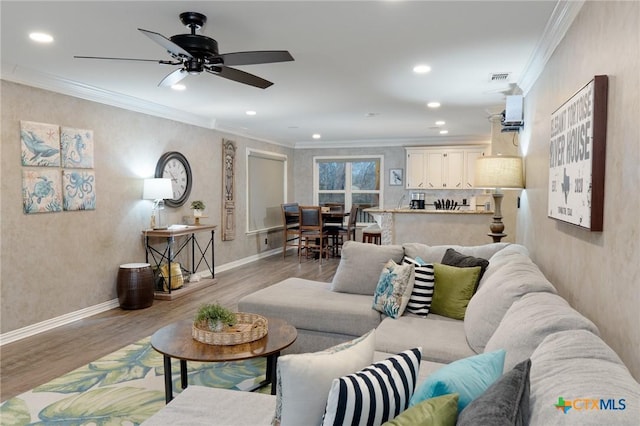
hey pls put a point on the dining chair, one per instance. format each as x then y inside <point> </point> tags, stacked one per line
<point>313,236</point>
<point>348,233</point>
<point>290,227</point>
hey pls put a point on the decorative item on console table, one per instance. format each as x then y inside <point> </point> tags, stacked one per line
<point>197,207</point>
<point>497,173</point>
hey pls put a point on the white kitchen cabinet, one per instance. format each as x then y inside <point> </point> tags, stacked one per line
<point>441,168</point>
<point>470,157</point>
<point>416,167</point>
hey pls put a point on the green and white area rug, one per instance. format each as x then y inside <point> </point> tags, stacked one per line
<point>122,388</point>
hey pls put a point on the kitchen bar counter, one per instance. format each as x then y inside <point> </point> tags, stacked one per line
<point>433,227</point>
<point>376,210</point>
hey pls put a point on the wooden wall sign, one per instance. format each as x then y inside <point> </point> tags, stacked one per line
<point>228,190</point>
<point>577,157</point>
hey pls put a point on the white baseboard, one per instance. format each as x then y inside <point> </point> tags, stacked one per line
<point>33,329</point>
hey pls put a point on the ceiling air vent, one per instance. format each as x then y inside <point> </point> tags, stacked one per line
<point>499,76</point>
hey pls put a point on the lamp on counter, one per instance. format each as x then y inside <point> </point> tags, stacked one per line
<point>157,189</point>
<point>497,173</point>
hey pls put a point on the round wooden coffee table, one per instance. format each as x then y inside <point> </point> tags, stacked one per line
<point>175,341</point>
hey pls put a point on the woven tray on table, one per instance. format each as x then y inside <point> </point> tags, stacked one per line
<point>249,327</point>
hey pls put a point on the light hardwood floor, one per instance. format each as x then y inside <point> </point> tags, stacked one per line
<point>35,360</point>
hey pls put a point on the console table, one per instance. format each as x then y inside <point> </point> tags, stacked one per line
<point>169,254</point>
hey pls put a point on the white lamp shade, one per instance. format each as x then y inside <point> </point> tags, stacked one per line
<point>500,171</point>
<point>157,189</point>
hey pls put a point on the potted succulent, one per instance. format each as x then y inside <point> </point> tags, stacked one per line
<point>197,207</point>
<point>215,316</point>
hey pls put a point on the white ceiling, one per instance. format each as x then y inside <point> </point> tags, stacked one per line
<point>351,59</point>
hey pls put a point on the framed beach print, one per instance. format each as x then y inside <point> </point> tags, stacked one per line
<point>395,177</point>
<point>41,191</point>
<point>39,144</point>
<point>79,190</point>
<point>77,148</point>
<point>577,157</point>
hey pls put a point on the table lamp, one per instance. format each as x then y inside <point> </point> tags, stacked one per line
<point>497,173</point>
<point>157,189</point>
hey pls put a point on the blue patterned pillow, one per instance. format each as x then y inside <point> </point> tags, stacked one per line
<point>423,286</point>
<point>394,289</point>
<point>375,394</point>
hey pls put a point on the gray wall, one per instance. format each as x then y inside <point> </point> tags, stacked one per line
<point>57,263</point>
<point>598,272</point>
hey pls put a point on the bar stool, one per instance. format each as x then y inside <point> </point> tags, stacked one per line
<point>372,234</point>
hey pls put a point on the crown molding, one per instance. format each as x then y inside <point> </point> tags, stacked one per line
<point>559,23</point>
<point>64,86</point>
<point>386,143</point>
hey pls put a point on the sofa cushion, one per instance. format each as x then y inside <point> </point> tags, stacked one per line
<point>423,286</point>
<point>198,405</point>
<point>433,254</point>
<point>304,380</point>
<point>360,266</point>
<point>508,278</point>
<point>438,411</point>
<point>505,403</point>
<point>442,339</point>
<point>529,320</point>
<point>469,378</point>
<point>291,300</point>
<point>394,289</point>
<point>453,289</point>
<point>573,365</point>
<point>453,258</point>
<point>375,394</point>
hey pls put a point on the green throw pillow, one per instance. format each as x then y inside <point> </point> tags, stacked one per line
<point>453,289</point>
<point>438,411</point>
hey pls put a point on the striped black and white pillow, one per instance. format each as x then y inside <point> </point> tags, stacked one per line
<point>422,293</point>
<point>375,394</point>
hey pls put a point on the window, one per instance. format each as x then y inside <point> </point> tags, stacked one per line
<point>348,180</point>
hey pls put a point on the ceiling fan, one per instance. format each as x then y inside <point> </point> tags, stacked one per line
<point>196,53</point>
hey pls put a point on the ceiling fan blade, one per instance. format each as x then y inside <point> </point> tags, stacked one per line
<point>239,76</point>
<point>256,57</point>
<point>173,78</point>
<point>158,61</point>
<point>173,48</point>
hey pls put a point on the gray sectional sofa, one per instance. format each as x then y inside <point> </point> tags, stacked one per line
<point>515,308</point>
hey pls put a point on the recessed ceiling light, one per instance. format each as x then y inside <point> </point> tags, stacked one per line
<point>41,37</point>
<point>179,87</point>
<point>444,132</point>
<point>440,123</point>
<point>421,69</point>
<point>433,104</point>
<point>251,112</point>
<point>316,136</point>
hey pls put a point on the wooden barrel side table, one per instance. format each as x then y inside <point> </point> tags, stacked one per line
<point>135,286</point>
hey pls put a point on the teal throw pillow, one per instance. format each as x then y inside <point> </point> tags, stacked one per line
<point>454,287</point>
<point>394,287</point>
<point>468,377</point>
<point>438,411</point>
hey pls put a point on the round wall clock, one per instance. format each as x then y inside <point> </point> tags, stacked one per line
<point>173,165</point>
